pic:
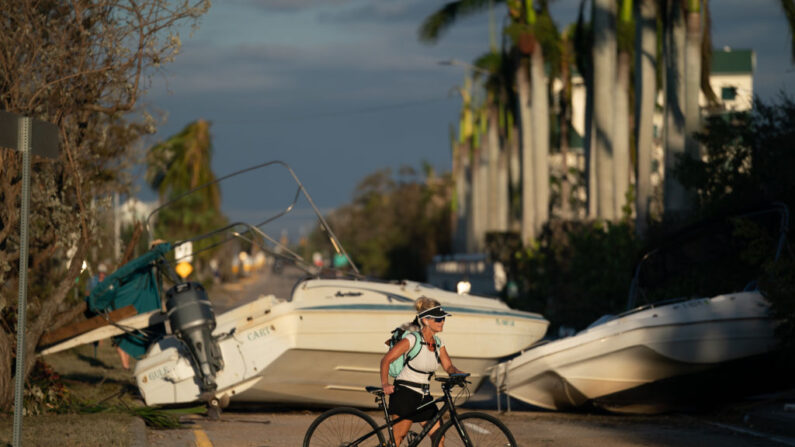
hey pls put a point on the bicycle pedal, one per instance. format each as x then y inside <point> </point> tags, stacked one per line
<point>412,437</point>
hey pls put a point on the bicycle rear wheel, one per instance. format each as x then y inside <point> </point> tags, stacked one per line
<point>342,427</point>
<point>481,429</point>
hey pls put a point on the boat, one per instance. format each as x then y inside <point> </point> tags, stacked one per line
<point>323,345</point>
<point>320,346</point>
<point>643,346</point>
<point>652,343</point>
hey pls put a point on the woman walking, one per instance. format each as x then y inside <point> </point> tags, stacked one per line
<point>411,388</point>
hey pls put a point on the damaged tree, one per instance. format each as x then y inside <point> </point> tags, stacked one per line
<point>81,65</point>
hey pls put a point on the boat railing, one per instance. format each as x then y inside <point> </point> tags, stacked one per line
<point>228,230</point>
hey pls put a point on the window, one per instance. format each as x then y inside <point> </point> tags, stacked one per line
<point>728,93</point>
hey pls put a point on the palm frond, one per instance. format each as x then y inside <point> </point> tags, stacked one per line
<point>789,12</point>
<point>440,21</point>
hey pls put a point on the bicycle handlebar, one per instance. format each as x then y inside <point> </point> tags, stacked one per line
<point>454,379</point>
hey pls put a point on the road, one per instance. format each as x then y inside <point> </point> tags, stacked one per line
<point>531,428</point>
<point>228,295</point>
<point>277,427</point>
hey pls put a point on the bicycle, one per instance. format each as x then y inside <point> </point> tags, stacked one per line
<point>350,427</point>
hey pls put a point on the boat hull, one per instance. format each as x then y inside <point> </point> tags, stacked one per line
<point>323,348</point>
<point>642,348</point>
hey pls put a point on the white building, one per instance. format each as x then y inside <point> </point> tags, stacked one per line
<point>731,78</point>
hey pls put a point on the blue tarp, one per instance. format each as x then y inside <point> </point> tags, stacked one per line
<point>135,283</point>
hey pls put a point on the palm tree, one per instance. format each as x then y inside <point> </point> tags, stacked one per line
<point>583,51</point>
<point>178,165</point>
<point>535,172</point>
<point>645,98</point>
<point>692,73</point>
<point>674,195</point>
<point>604,63</point>
<point>497,91</point>
<point>465,169</point>
<point>789,12</point>
<point>566,61</point>
<point>622,114</point>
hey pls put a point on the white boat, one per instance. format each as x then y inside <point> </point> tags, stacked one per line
<point>324,345</point>
<point>642,346</point>
<point>655,342</point>
<point>320,346</point>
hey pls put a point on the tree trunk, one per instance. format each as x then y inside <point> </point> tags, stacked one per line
<point>462,206</point>
<point>526,148</point>
<point>675,197</point>
<point>692,83</point>
<point>501,171</point>
<point>479,195</point>
<point>645,97</point>
<point>604,62</point>
<point>515,173</point>
<point>589,148</point>
<point>621,137</point>
<point>540,137</point>
<point>503,198</point>
<point>470,198</point>
<point>34,328</point>
<point>493,148</point>
<point>565,118</point>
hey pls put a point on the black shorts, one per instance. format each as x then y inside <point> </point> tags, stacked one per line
<point>404,402</point>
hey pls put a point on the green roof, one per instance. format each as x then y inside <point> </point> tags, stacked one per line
<point>732,61</point>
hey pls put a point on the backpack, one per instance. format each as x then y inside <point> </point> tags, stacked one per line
<point>399,363</point>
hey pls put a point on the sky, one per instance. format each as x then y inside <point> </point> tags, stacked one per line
<point>339,89</point>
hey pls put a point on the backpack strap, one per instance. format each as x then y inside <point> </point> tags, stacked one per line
<point>415,350</point>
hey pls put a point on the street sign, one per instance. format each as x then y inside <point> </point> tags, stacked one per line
<point>184,252</point>
<point>43,138</point>
<point>28,136</point>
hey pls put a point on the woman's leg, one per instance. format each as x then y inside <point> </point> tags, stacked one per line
<point>400,429</point>
<point>433,430</point>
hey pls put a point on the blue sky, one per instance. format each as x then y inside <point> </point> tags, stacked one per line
<point>341,88</point>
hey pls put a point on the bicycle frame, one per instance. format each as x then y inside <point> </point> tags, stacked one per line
<point>448,407</point>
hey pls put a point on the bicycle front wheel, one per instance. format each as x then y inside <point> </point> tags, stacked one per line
<point>343,427</point>
<point>479,429</point>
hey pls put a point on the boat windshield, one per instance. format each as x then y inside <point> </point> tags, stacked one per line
<point>710,258</point>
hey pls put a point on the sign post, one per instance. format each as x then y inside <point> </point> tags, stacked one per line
<point>38,137</point>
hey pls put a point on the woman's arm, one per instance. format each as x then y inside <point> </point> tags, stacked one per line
<point>399,349</point>
<point>447,364</point>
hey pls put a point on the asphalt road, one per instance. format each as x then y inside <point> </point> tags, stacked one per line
<point>286,429</point>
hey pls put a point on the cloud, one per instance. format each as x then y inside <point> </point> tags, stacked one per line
<point>206,69</point>
<point>383,12</point>
<point>293,5</point>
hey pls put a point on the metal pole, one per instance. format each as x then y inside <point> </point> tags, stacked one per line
<point>19,382</point>
<point>116,230</point>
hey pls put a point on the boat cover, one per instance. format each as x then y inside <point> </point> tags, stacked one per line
<point>135,283</point>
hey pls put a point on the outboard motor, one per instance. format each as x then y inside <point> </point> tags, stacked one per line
<point>192,320</point>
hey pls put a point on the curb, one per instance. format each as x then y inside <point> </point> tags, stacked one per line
<point>137,433</point>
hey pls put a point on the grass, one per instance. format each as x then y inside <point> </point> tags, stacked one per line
<point>91,381</point>
<point>70,430</point>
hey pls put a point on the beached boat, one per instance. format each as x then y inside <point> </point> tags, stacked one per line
<point>639,347</point>
<point>659,341</point>
<point>319,346</point>
<point>324,345</point>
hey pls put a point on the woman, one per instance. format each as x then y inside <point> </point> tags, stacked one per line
<point>411,387</point>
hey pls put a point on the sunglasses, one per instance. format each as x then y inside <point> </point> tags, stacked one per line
<point>436,319</point>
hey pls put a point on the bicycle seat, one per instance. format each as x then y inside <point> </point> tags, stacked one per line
<point>377,390</point>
